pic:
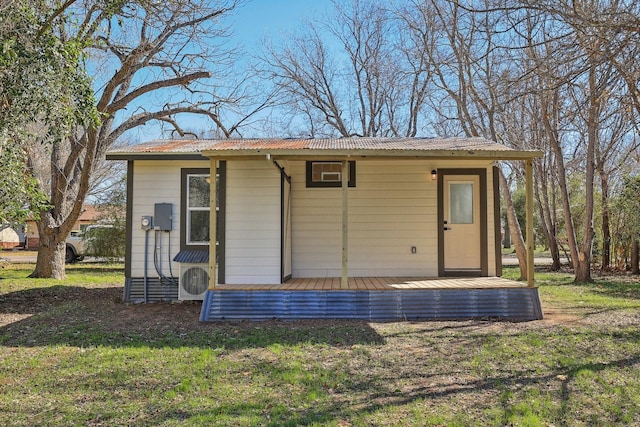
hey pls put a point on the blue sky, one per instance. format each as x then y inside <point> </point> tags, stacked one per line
<point>259,18</point>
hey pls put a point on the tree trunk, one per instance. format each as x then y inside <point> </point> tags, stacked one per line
<point>50,261</point>
<point>552,105</point>
<point>514,227</point>
<point>635,256</point>
<point>506,243</point>
<point>70,175</point>
<point>547,221</point>
<point>550,233</point>
<point>566,207</point>
<point>583,269</point>
<point>606,228</point>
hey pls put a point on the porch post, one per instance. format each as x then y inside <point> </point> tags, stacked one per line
<point>213,236</point>
<point>529,230</point>
<point>344,283</point>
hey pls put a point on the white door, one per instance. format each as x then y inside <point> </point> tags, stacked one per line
<point>461,223</point>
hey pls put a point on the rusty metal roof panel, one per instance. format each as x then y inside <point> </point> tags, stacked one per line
<point>296,146</point>
<point>166,146</point>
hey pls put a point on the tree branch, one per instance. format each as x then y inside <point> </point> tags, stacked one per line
<point>178,81</point>
<point>47,23</point>
<point>145,117</point>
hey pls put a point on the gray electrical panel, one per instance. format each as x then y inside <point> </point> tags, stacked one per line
<point>162,216</point>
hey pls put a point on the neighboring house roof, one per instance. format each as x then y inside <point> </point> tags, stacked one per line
<point>89,213</point>
<point>476,148</point>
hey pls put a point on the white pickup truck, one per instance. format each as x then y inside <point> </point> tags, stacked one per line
<point>78,244</point>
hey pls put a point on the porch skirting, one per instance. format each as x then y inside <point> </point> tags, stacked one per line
<point>509,303</point>
<point>156,290</point>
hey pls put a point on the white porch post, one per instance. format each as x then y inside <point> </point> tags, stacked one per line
<point>213,237</point>
<point>344,283</point>
<point>529,230</point>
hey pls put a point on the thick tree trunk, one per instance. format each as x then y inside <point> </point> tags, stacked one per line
<point>583,269</point>
<point>514,227</point>
<point>50,261</point>
<point>70,174</point>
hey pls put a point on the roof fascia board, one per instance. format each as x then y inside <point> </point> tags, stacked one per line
<point>360,153</point>
<point>156,156</point>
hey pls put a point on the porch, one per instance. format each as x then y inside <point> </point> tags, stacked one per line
<point>381,284</point>
<point>375,299</point>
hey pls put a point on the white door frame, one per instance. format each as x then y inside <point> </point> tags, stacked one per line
<point>482,206</point>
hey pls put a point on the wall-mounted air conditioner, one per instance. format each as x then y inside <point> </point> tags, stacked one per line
<point>194,281</point>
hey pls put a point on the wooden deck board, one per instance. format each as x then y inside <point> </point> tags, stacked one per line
<point>382,283</point>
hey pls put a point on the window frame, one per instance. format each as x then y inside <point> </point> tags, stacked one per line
<point>185,210</point>
<point>330,184</point>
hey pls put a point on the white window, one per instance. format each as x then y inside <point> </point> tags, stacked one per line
<point>198,209</point>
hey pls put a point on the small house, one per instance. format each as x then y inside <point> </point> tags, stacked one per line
<point>370,228</point>
<point>11,236</point>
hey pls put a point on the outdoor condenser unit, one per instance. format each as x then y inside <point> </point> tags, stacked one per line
<point>194,281</point>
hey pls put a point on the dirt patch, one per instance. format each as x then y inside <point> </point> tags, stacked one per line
<point>7,319</point>
<point>156,315</point>
<point>557,316</point>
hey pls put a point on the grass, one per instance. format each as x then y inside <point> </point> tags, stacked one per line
<point>72,354</point>
<point>604,293</point>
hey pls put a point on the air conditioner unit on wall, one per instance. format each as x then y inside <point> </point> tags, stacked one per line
<point>194,281</point>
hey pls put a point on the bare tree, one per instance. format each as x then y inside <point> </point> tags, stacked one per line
<point>140,50</point>
<point>373,84</point>
<point>470,71</point>
<point>617,143</point>
<point>572,53</point>
<point>521,121</point>
<point>590,35</point>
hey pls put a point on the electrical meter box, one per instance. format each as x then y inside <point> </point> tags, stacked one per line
<point>146,222</point>
<point>162,216</point>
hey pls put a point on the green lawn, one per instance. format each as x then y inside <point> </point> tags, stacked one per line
<point>73,354</point>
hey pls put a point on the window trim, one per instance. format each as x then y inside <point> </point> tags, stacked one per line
<point>330,184</point>
<point>191,209</point>
<point>184,212</point>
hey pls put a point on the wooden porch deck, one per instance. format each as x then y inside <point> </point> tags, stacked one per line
<point>380,284</point>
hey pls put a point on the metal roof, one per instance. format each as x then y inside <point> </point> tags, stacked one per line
<point>366,146</point>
